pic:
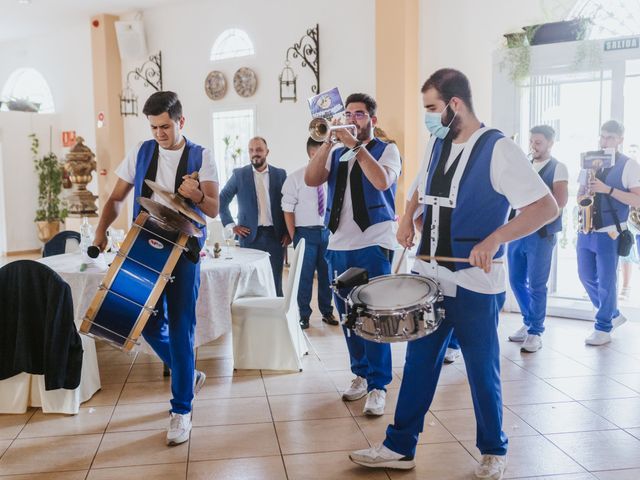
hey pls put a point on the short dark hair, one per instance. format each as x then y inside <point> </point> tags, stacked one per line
<point>161,102</point>
<point>311,143</point>
<point>368,100</point>
<point>262,139</point>
<point>613,126</point>
<point>545,130</point>
<point>450,83</point>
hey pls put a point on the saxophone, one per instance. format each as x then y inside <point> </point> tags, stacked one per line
<point>585,215</point>
<point>634,217</point>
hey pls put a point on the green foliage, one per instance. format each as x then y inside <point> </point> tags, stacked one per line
<point>517,61</point>
<point>50,206</point>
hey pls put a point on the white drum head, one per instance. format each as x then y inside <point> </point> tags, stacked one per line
<point>394,292</point>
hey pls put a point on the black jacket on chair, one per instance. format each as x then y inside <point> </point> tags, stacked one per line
<point>37,331</point>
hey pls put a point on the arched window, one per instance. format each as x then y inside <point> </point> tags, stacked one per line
<point>232,43</point>
<point>611,18</point>
<point>28,84</point>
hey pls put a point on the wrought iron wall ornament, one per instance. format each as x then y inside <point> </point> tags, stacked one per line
<point>308,50</point>
<point>150,72</point>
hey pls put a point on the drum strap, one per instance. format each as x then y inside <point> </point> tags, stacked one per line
<point>151,173</point>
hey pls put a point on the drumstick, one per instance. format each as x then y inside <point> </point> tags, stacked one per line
<point>428,258</point>
<point>400,261</point>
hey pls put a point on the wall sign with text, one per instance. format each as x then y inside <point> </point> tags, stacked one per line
<point>621,44</point>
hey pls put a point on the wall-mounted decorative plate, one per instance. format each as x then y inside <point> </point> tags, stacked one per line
<point>245,82</point>
<point>215,85</point>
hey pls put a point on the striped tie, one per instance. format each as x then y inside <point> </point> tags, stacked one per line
<point>321,205</point>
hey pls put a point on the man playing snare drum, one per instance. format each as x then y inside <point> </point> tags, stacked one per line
<point>168,159</point>
<point>471,177</point>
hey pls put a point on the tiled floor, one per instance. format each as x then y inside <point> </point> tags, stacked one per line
<point>571,412</point>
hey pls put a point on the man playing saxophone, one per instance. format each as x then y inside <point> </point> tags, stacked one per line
<point>614,190</point>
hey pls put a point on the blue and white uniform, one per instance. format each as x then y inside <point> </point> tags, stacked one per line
<point>598,250</point>
<point>171,331</point>
<point>361,220</point>
<point>530,257</point>
<point>466,191</point>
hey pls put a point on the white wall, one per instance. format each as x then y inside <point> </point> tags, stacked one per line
<point>185,33</point>
<point>64,59</point>
<point>463,34</point>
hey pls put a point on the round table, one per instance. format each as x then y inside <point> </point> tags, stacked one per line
<point>239,272</point>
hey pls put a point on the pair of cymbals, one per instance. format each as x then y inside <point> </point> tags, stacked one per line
<point>171,216</point>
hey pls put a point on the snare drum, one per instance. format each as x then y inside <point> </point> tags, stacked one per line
<point>396,308</point>
<point>134,282</point>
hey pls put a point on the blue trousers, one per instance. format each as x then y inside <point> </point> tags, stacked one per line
<point>529,267</point>
<point>369,359</point>
<point>267,241</point>
<point>454,343</point>
<point>315,249</point>
<point>597,268</point>
<point>171,331</point>
<point>475,319</point>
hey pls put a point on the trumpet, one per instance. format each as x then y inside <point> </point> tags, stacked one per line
<point>320,129</point>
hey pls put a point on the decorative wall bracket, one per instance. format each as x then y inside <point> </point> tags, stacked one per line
<point>308,50</point>
<point>150,72</point>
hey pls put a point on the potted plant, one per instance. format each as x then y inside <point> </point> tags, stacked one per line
<point>556,32</point>
<point>517,56</point>
<point>51,210</point>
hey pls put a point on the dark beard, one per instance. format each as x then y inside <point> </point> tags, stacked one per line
<point>454,128</point>
<point>258,163</point>
<point>364,133</point>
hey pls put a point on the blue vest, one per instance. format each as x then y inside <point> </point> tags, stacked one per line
<point>603,206</point>
<point>547,174</point>
<point>381,205</point>
<point>480,210</point>
<point>145,154</point>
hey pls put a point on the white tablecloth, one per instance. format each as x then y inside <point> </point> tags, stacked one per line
<point>246,274</point>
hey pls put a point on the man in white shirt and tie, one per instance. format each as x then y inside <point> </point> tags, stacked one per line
<point>260,220</point>
<point>304,210</point>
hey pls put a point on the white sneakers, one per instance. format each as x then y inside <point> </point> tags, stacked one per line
<point>532,343</point>
<point>598,338</point>
<point>375,403</point>
<point>376,399</point>
<point>451,355</point>
<point>381,457</point>
<point>198,381</point>
<point>358,389</point>
<point>179,428</point>
<point>519,335</point>
<point>616,322</point>
<point>491,467</point>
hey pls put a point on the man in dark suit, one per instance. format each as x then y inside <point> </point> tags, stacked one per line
<point>260,219</point>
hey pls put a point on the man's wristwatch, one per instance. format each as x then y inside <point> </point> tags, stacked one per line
<point>357,145</point>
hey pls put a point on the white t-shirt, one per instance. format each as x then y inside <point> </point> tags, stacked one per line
<point>302,200</point>
<point>511,175</point>
<point>168,161</point>
<point>630,179</point>
<point>560,175</point>
<point>348,236</point>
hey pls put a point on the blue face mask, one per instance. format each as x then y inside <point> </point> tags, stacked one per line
<point>433,122</point>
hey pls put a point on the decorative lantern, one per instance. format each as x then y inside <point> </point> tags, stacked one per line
<point>288,84</point>
<point>128,102</point>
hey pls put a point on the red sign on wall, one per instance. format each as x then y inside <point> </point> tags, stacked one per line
<point>68,138</point>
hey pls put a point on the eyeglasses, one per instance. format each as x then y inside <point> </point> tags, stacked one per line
<point>358,115</point>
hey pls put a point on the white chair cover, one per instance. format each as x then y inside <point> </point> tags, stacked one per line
<point>25,390</point>
<point>266,331</point>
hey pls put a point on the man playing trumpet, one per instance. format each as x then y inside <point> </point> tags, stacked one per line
<point>361,172</point>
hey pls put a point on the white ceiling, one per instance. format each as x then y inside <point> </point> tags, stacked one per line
<point>43,16</point>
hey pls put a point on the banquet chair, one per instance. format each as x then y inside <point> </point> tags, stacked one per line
<point>266,330</point>
<point>66,241</point>
<point>44,362</point>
